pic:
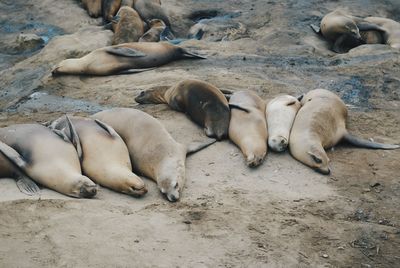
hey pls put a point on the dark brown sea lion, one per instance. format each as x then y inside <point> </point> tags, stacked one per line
<point>109,8</point>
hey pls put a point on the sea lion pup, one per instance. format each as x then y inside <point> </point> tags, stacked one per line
<point>105,157</point>
<point>205,104</point>
<point>248,126</point>
<point>280,114</point>
<point>157,27</point>
<point>391,29</point>
<point>343,30</point>
<point>154,153</point>
<point>93,7</point>
<point>39,153</point>
<point>123,58</point>
<point>128,26</point>
<point>109,8</point>
<point>321,124</point>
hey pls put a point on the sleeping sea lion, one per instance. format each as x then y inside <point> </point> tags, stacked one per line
<point>321,124</point>
<point>205,104</point>
<point>280,114</point>
<point>122,58</point>
<point>105,158</point>
<point>93,7</point>
<point>153,151</point>
<point>43,156</point>
<point>391,29</point>
<point>154,33</point>
<point>248,126</point>
<point>109,8</point>
<point>128,27</point>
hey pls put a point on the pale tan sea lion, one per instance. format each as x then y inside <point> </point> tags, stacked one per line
<point>39,153</point>
<point>109,8</point>
<point>280,114</point>
<point>204,103</point>
<point>123,58</point>
<point>153,34</point>
<point>343,30</point>
<point>105,156</point>
<point>154,153</point>
<point>248,126</point>
<point>93,7</point>
<point>128,26</point>
<point>319,125</point>
<point>151,9</point>
<point>391,35</point>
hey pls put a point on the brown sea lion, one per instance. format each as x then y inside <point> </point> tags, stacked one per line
<point>321,124</point>
<point>109,8</point>
<point>105,156</point>
<point>391,35</point>
<point>372,37</point>
<point>128,26</point>
<point>154,153</point>
<point>343,30</point>
<point>40,154</point>
<point>248,126</point>
<point>205,104</point>
<point>151,9</point>
<point>122,58</point>
<point>93,7</point>
<point>280,114</point>
<point>128,3</point>
<point>153,34</point>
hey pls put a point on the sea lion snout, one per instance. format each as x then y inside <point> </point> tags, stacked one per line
<point>278,143</point>
<point>88,190</point>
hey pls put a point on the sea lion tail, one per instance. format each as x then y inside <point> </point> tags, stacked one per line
<point>190,55</point>
<point>359,142</point>
<point>25,184</point>
<point>194,147</point>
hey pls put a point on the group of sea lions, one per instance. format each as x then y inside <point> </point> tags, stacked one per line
<point>346,31</point>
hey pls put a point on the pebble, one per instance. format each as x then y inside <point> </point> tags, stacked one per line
<point>325,256</point>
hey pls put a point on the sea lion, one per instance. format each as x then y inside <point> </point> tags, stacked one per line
<point>321,124</point>
<point>109,8</point>
<point>280,114</point>
<point>205,104</point>
<point>122,58</point>
<point>151,9</point>
<point>154,153</point>
<point>105,156</point>
<point>128,3</point>
<point>372,37</point>
<point>343,30</point>
<point>157,27</point>
<point>391,35</point>
<point>128,26</point>
<point>38,152</point>
<point>93,7</point>
<point>248,126</point>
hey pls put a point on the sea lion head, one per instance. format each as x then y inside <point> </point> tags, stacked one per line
<point>318,160</point>
<point>172,179</point>
<point>84,188</point>
<point>144,97</point>
<point>216,121</point>
<point>281,112</point>
<point>349,27</point>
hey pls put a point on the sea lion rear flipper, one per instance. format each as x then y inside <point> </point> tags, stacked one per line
<point>197,146</point>
<point>26,185</point>
<point>191,55</point>
<point>237,106</point>
<point>74,138</point>
<point>316,29</point>
<point>125,52</point>
<point>107,128</point>
<point>359,142</point>
<point>135,71</point>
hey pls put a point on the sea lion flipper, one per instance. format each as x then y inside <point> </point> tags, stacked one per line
<point>359,142</point>
<point>74,138</point>
<point>125,52</point>
<point>191,55</point>
<point>61,134</point>
<point>26,185</point>
<point>237,106</point>
<point>316,29</point>
<point>135,71</point>
<point>107,128</point>
<point>227,91</point>
<point>338,45</point>
<point>368,26</point>
<point>197,146</point>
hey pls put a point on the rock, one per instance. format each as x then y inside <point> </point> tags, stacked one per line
<point>26,42</point>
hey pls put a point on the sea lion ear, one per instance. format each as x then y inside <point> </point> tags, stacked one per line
<point>107,128</point>
<point>315,158</point>
<point>74,138</point>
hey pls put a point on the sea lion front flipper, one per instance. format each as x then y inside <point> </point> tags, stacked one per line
<point>125,52</point>
<point>107,128</point>
<point>197,146</point>
<point>338,45</point>
<point>74,138</point>
<point>135,71</point>
<point>237,106</point>
<point>359,142</point>
<point>316,29</point>
<point>26,185</point>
